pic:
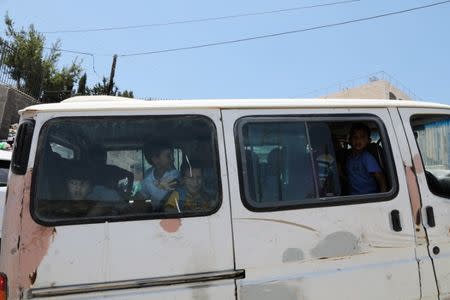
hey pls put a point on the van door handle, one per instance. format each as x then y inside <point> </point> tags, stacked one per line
<point>430,216</point>
<point>395,217</point>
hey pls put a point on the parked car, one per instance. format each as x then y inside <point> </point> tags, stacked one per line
<point>5,160</point>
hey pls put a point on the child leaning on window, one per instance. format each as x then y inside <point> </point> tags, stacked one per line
<point>364,173</point>
<point>162,177</point>
<point>190,196</point>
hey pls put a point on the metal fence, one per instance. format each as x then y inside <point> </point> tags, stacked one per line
<point>5,72</point>
<point>5,77</point>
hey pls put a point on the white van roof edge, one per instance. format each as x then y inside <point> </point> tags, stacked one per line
<point>98,98</point>
<point>111,103</point>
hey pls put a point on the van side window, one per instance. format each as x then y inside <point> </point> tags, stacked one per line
<point>294,161</point>
<point>432,133</point>
<point>22,145</point>
<point>119,168</point>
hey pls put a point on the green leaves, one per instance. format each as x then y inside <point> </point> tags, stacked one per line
<point>35,68</point>
<point>35,72</point>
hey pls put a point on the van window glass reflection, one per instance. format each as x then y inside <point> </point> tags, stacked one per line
<point>102,169</point>
<point>432,134</point>
<point>288,162</point>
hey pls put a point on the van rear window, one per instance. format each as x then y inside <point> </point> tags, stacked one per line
<point>289,162</point>
<point>122,168</point>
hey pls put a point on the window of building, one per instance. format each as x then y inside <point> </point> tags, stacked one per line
<point>299,162</point>
<point>432,135</point>
<point>121,168</point>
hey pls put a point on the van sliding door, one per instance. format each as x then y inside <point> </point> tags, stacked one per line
<point>300,230</point>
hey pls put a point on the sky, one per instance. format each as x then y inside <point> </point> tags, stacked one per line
<point>412,48</point>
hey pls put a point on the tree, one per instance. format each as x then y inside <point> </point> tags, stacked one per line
<point>35,73</point>
<point>82,85</point>
<point>38,75</point>
<point>127,94</point>
<point>101,88</point>
<point>59,85</point>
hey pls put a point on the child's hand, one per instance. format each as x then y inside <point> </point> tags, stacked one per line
<point>167,184</point>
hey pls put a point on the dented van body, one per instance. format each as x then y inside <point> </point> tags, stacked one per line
<point>259,205</point>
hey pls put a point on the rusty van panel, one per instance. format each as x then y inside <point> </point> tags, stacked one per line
<point>34,241</point>
<point>25,243</point>
<point>9,262</point>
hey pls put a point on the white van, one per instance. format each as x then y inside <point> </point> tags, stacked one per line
<point>228,199</point>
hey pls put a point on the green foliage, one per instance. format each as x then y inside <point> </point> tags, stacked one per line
<point>35,73</point>
<point>127,94</point>
<point>82,85</point>
<point>59,85</point>
<point>102,88</point>
<point>25,58</point>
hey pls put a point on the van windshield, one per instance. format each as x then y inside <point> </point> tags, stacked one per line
<point>115,168</point>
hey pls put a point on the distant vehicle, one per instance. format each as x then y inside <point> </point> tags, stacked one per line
<point>5,160</point>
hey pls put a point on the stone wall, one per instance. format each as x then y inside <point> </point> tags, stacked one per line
<point>11,101</point>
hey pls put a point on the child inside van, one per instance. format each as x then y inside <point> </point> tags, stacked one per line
<point>162,177</point>
<point>79,186</point>
<point>190,195</point>
<point>364,173</point>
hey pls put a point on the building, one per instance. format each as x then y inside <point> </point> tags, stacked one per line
<point>379,85</point>
<point>376,89</point>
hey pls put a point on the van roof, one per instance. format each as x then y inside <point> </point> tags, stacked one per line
<point>112,103</point>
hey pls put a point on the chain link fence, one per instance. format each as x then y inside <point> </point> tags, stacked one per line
<point>7,79</point>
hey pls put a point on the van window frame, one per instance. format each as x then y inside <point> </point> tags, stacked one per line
<point>430,116</point>
<point>22,146</point>
<point>391,173</point>
<point>109,219</point>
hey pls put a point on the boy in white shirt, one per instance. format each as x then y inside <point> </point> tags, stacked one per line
<point>162,177</point>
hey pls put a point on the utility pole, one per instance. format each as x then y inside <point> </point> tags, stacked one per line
<point>111,76</point>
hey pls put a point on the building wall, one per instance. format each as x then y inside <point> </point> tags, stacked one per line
<point>379,89</point>
<point>11,101</point>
